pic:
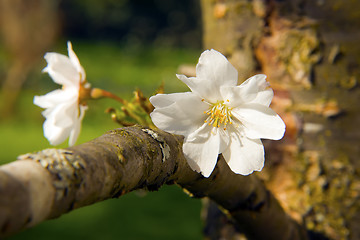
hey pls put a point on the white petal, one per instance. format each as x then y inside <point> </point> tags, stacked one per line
<point>70,113</point>
<point>254,89</point>
<point>61,69</point>
<point>61,105</point>
<point>264,97</point>
<point>179,118</point>
<point>259,121</point>
<point>75,131</point>
<point>62,122</point>
<point>257,81</point>
<point>53,133</point>
<point>212,72</point>
<point>63,115</point>
<point>75,61</point>
<point>56,97</point>
<point>49,100</point>
<point>244,155</point>
<point>224,138</point>
<point>202,87</point>
<point>193,107</point>
<point>203,133</point>
<point>202,153</point>
<point>164,100</point>
<point>200,134</point>
<point>214,67</point>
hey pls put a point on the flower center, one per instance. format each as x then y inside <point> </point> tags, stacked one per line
<point>84,93</point>
<point>219,114</point>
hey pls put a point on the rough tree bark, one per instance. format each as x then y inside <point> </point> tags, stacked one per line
<point>310,52</point>
<point>51,182</point>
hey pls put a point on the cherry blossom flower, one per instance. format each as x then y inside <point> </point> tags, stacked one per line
<point>64,108</point>
<point>220,117</point>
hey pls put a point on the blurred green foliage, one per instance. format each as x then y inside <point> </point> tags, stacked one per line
<point>166,214</point>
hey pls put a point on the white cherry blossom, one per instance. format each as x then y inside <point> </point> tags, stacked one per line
<point>65,107</point>
<point>219,116</point>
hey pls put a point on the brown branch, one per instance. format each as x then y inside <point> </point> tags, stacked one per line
<point>51,182</point>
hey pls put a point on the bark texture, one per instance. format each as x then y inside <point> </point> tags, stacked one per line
<point>309,50</point>
<point>51,182</point>
<point>23,22</point>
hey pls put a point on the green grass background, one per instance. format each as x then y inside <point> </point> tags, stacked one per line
<point>166,214</point>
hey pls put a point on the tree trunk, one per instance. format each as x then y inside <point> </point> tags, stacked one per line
<point>28,28</point>
<point>310,52</point>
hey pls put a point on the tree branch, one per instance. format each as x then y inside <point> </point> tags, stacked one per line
<point>51,182</point>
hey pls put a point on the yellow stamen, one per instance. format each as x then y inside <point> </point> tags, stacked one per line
<point>219,114</point>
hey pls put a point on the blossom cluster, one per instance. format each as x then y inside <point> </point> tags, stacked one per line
<point>217,116</point>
